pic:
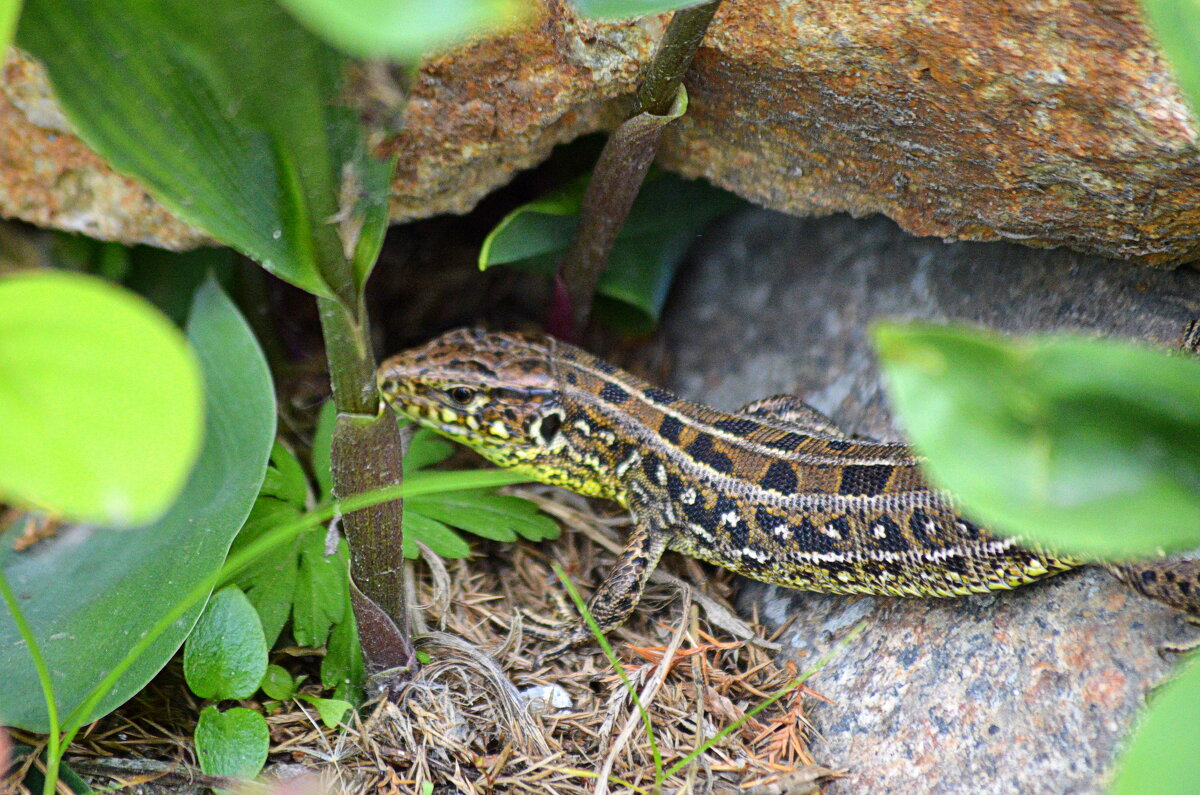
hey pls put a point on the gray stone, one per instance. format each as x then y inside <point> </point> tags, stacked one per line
<point>1029,691</point>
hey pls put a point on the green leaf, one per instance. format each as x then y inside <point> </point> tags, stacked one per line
<point>331,710</point>
<point>342,668</point>
<point>227,111</point>
<point>226,654</point>
<point>663,223</point>
<point>321,590</point>
<point>270,582</point>
<point>278,684</point>
<point>1177,25</point>
<point>89,593</point>
<point>1164,756</point>
<point>233,743</point>
<point>321,448</point>
<point>403,30</point>
<point>425,450</point>
<point>1084,445</point>
<point>285,479</point>
<point>170,279</point>
<point>621,9</point>
<point>433,534</point>
<point>101,402</point>
<point>10,10</point>
<point>498,517</point>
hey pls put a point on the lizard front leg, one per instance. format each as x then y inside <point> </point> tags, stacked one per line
<point>619,594</point>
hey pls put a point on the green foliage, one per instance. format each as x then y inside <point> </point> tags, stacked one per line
<point>404,30</point>
<point>667,216</point>
<point>1177,25</point>
<point>102,409</point>
<point>226,111</point>
<point>621,9</point>
<point>226,654</point>
<point>1164,756</point>
<point>88,594</point>
<point>331,710</point>
<point>233,743</point>
<point>1084,445</point>
<point>10,10</point>
<point>278,684</point>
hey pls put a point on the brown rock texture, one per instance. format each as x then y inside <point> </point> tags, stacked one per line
<point>1039,121</point>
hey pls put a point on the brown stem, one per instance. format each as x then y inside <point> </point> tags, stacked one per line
<point>674,55</point>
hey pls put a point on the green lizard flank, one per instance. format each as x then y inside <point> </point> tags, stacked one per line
<point>774,491</point>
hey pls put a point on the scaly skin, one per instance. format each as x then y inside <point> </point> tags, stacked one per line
<point>774,491</point>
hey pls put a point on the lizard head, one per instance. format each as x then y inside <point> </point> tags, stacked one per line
<point>493,392</point>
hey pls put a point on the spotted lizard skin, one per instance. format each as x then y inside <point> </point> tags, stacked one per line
<point>774,491</point>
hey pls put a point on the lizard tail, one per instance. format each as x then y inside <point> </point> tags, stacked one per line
<point>1175,582</point>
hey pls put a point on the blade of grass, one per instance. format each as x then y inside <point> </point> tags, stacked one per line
<point>53,752</point>
<point>716,738</point>
<point>581,606</point>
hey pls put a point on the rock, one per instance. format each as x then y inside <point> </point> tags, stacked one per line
<point>1036,121</point>
<point>1029,691</point>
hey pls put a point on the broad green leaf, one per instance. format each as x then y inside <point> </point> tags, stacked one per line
<point>101,402</point>
<point>10,10</point>
<point>664,221</point>
<point>433,534</point>
<point>278,684</point>
<point>342,668</point>
<point>285,479</point>
<point>404,30</point>
<point>233,743</point>
<point>331,710</point>
<point>227,111</point>
<point>321,590</point>
<point>1164,756</point>
<point>620,9</point>
<point>226,654</point>
<point>88,593</point>
<point>1177,26</point>
<point>1084,445</point>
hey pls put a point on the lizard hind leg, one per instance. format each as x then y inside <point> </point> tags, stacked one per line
<point>789,412</point>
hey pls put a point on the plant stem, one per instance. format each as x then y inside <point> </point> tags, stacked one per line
<point>351,361</point>
<point>673,57</point>
<point>622,167</point>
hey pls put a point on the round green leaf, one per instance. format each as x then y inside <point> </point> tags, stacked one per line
<point>233,743</point>
<point>403,30</point>
<point>101,406</point>
<point>1084,445</point>
<point>226,654</point>
<point>278,684</point>
<point>1164,756</point>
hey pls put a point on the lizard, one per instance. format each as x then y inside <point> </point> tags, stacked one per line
<point>774,491</point>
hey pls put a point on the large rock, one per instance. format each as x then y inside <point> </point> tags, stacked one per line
<point>1039,121</point>
<point>1029,691</point>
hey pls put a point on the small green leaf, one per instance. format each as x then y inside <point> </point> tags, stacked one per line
<point>498,517</point>
<point>425,450</point>
<point>322,445</point>
<point>342,668</point>
<point>667,216</point>
<point>101,401</point>
<point>1177,25</point>
<point>226,654</point>
<point>433,534</point>
<point>321,590</point>
<point>331,710</point>
<point>403,30</point>
<point>278,684</point>
<point>622,9</point>
<point>233,743</point>
<point>285,478</point>
<point>1164,755</point>
<point>1083,445</point>
<point>423,657</point>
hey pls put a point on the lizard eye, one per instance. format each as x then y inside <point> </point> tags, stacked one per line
<point>461,394</point>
